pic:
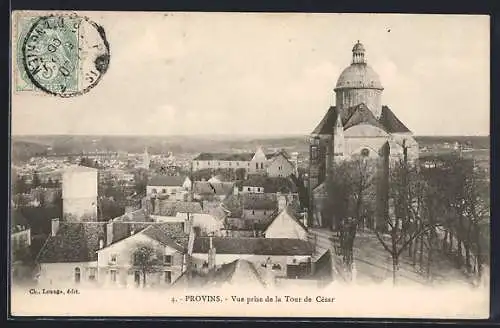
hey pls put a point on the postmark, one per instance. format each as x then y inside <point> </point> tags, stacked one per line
<point>65,55</point>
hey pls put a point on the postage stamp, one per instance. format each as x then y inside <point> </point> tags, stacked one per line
<point>64,55</point>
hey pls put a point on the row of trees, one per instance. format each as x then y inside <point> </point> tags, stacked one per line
<point>20,184</point>
<point>423,212</point>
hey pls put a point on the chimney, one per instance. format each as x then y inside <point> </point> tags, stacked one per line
<point>282,202</point>
<point>55,227</point>
<point>109,233</point>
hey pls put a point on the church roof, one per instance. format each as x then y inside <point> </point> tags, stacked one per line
<point>391,122</point>
<point>360,114</point>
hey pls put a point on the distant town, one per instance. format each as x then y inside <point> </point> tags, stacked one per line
<point>361,199</point>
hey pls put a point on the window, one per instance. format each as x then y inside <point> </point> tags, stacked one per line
<point>77,275</point>
<point>261,165</point>
<point>167,259</point>
<point>253,212</point>
<point>257,166</point>
<point>153,191</point>
<point>164,190</point>
<point>168,277</point>
<point>218,163</point>
<point>198,163</point>
<point>276,267</point>
<point>248,188</point>
<point>264,212</point>
<point>112,275</point>
<point>92,274</point>
<point>113,258</point>
<point>237,163</point>
<point>248,164</point>
<point>365,152</point>
<point>258,189</point>
<point>229,163</point>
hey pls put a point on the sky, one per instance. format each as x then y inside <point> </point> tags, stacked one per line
<point>269,74</point>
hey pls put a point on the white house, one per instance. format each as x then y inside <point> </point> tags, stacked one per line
<point>117,265</point>
<point>252,163</point>
<point>168,185</point>
<point>286,225</point>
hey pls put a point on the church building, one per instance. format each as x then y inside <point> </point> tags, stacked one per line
<point>357,125</point>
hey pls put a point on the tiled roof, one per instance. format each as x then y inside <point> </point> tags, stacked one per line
<point>171,208</point>
<point>237,272</point>
<point>325,126</point>
<point>212,188</point>
<point>167,236</point>
<point>259,201</point>
<point>74,242</point>
<point>387,121</point>
<point>323,266</point>
<point>159,231</point>
<point>271,184</point>
<point>256,246</point>
<point>224,157</point>
<point>391,123</point>
<point>135,216</point>
<point>167,180</point>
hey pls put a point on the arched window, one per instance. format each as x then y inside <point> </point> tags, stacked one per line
<point>365,152</point>
<point>77,275</point>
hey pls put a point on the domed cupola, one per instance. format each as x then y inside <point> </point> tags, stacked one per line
<point>359,83</point>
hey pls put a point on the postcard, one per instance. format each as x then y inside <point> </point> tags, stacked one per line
<point>250,164</point>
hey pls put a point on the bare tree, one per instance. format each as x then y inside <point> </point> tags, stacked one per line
<point>349,196</point>
<point>147,259</point>
<point>407,221</point>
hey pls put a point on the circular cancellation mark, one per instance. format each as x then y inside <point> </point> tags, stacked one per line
<point>65,55</point>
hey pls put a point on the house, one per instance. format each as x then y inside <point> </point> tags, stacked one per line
<point>280,166</point>
<point>286,224</point>
<point>157,207</point>
<point>252,163</point>
<point>80,253</point>
<point>207,190</point>
<point>69,256</point>
<point>268,185</point>
<point>285,257</point>
<point>168,185</point>
<point>20,236</point>
<point>151,257</point>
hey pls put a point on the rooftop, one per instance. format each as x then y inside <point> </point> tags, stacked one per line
<point>387,121</point>
<point>256,246</point>
<point>167,180</point>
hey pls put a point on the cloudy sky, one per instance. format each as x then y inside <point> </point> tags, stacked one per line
<point>229,73</point>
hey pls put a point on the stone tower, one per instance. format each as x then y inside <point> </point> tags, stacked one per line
<point>79,194</point>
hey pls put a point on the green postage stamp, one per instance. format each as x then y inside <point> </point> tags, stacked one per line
<point>60,54</point>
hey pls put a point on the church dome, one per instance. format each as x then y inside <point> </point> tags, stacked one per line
<point>359,74</point>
